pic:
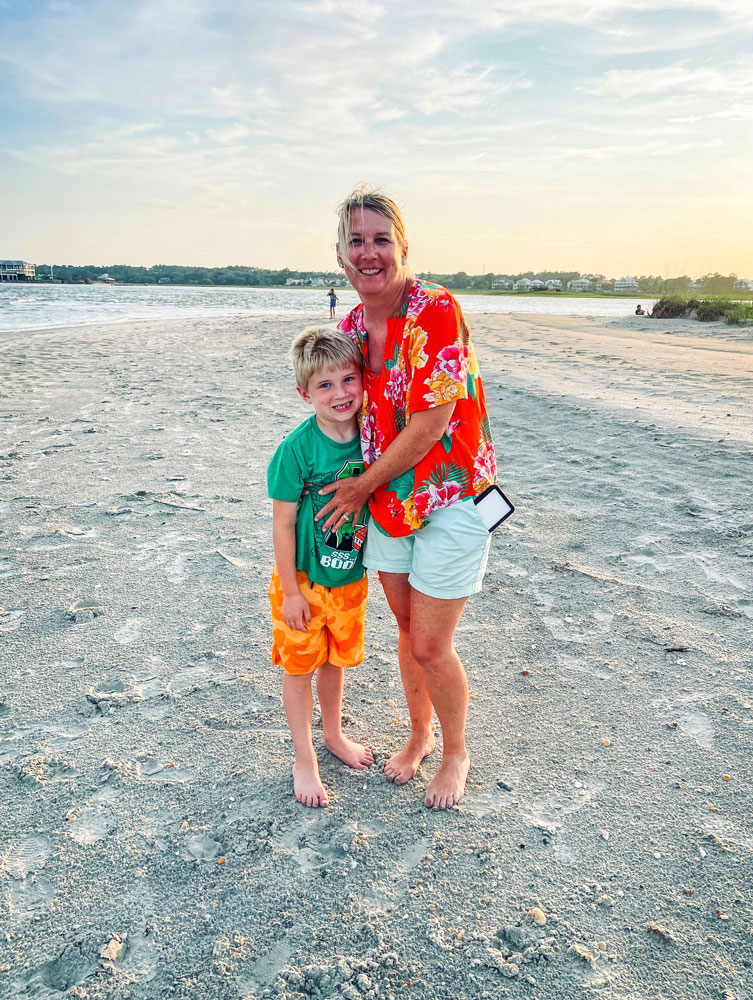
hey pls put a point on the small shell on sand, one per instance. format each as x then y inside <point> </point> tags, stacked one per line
<point>537,915</point>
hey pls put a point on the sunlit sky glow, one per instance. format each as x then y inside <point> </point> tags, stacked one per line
<point>608,136</point>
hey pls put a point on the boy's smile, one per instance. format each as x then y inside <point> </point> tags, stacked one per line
<point>336,395</point>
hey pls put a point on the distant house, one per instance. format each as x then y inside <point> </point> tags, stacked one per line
<point>697,285</point>
<point>554,283</point>
<point>295,281</point>
<point>627,285</point>
<point>505,283</point>
<point>107,279</point>
<point>537,284</point>
<point>521,285</point>
<point>579,285</point>
<point>743,285</point>
<point>17,270</point>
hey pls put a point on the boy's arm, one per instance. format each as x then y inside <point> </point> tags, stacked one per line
<point>295,609</point>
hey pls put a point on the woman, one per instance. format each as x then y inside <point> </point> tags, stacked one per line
<point>332,302</point>
<point>426,441</point>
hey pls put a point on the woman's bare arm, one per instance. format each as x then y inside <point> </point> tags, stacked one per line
<point>423,430</point>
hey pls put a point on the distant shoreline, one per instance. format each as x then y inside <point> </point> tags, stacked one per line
<point>550,293</point>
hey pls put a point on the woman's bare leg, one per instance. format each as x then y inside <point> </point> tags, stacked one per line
<point>401,767</point>
<point>433,624</point>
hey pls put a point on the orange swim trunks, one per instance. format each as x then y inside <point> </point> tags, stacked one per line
<point>335,632</point>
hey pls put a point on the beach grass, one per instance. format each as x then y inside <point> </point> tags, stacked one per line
<point>708,309</point>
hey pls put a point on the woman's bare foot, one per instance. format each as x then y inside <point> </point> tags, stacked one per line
<point>447,787</point>
<point>308,787</point>
<point>355,755</point>
<point>402,765</point>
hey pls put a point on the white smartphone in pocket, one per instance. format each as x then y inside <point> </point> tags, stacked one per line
<point>493,507</point>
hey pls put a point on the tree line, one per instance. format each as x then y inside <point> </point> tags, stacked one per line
<point>257,277</point>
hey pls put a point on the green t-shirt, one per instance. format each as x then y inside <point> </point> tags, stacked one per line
<point>307,457</point>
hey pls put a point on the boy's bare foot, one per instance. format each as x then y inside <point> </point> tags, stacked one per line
<point>447,787</point>
<point>355,755</point>
<point>308,787</point>
<point>402,765</point>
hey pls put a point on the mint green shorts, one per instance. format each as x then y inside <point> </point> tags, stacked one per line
<point>445,559</point>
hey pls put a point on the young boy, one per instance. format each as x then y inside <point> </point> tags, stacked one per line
<point>318,589</point>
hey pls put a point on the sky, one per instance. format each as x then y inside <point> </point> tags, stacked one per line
<point>603,137</point>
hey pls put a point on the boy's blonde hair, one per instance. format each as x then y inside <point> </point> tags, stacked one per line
<point>319,347</point>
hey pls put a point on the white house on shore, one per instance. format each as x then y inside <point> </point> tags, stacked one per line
<point>521,285</point>
<point>106,279</point>
<point>743,285</point>
<point>17,270</point>
<point>505,283</point>
<point>554,283</point>
<point>626,286</point>
<point>579,285</point>
<point>537,284</point>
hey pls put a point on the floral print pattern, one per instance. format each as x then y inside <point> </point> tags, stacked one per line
<point>428,361</point>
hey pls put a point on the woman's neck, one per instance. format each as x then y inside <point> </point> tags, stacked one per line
<point>377,310</point>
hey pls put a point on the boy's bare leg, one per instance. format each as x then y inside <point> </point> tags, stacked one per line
<point>329,687</point>
<point>402,765</point>
<point>298,702</point>
<point>433,624</point>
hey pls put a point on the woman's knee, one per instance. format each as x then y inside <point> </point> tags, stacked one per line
<point>430,651</point>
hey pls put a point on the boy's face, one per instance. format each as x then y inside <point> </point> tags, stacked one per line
<point>336,394</point>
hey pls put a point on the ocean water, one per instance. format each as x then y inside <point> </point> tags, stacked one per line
<point>38,306</point>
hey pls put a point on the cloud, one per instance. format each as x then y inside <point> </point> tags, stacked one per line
<point>733,79</point>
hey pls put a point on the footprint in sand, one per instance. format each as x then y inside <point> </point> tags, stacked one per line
<point>111,692</point>
<point>176,573</point>
<point>30,895</point>
<point>27,857</point>
<point>550,812</point>
<point>93,823</point>
<point>150,769</point>
<point>70,968</point>
<point>202,847</point>
<point>11,619</point>
<point>583,667</point>
<point>130,631</point>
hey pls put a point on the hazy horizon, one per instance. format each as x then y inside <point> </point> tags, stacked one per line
<point>611,138</point>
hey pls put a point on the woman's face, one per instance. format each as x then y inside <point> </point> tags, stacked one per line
<point>376,257</point>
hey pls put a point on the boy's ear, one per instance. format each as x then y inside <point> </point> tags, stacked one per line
<point>303,394</point>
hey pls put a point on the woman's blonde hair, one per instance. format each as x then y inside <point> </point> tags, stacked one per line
<point>359,199</point>
<point>321,347</point>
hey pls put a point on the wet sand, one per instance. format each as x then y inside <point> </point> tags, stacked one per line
<point>150,844</point>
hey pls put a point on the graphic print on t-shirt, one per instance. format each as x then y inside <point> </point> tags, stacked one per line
<point>346,541</point>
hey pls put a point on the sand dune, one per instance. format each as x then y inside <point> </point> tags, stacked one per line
<point>150,845</point>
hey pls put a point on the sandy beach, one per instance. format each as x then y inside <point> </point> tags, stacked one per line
<point>150,844</point>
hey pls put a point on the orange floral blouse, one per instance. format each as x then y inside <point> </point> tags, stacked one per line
<point>428,360</point>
